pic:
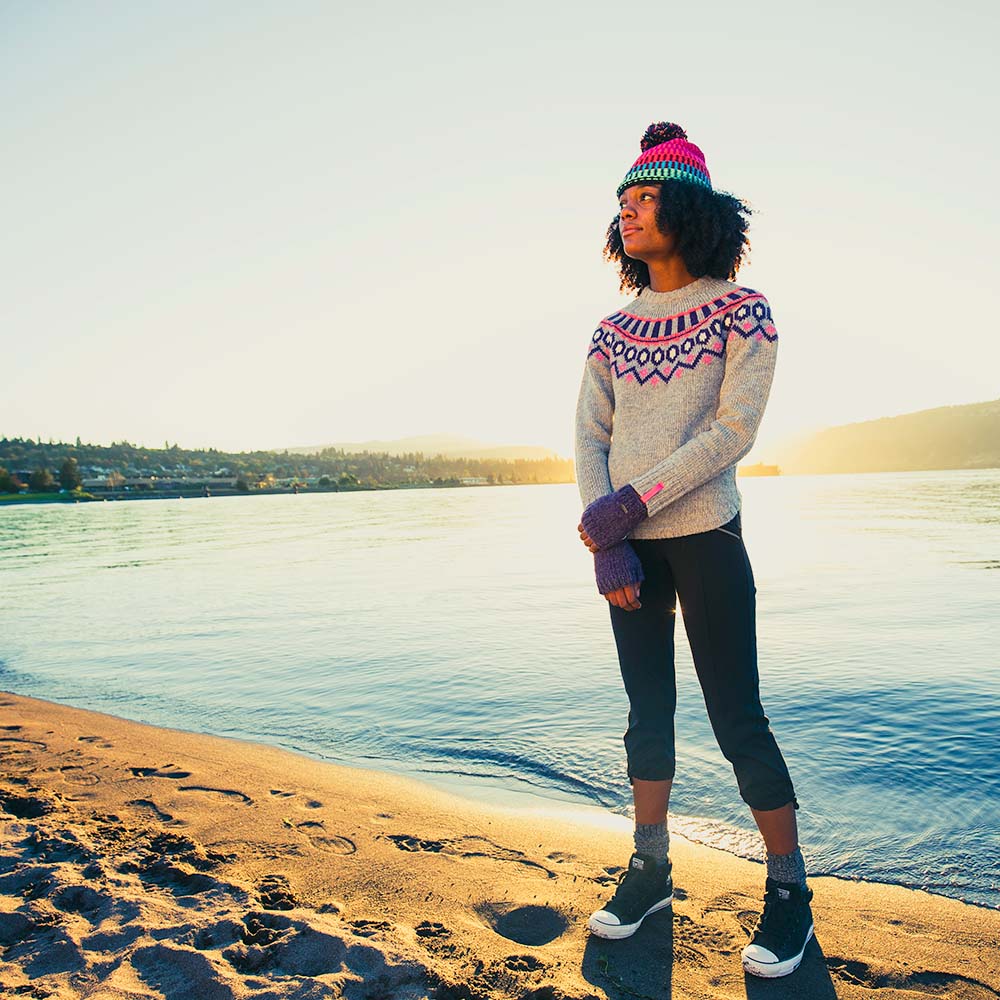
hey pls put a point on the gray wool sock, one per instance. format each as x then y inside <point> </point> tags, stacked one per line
<point>653,839</point>
<point>787,867</point>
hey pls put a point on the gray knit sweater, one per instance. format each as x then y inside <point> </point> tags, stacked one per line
<point>673,390</point>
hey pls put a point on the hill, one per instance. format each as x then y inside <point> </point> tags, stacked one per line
<point>946,437</point>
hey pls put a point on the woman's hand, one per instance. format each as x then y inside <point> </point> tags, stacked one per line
<point>586,538</point>
<point>626,598</point>
<point>619,572</point>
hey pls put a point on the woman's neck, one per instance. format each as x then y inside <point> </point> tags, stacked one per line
<point>668,275</point>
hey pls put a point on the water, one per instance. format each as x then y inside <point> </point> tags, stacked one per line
<point>457,636</point>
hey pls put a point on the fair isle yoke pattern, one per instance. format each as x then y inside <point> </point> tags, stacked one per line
<point>673,390</point>
<point>649,350</point>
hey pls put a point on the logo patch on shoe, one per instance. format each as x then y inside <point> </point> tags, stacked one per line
<point>638,863</point>
<point>784,894</point>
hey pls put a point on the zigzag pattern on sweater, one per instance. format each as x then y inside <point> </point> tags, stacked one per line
<point>646,349</point>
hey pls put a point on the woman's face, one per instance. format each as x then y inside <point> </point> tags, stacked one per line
<point>641,237</point>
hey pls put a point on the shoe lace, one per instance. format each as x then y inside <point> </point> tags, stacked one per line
<point>779,919</point>
<point>630,885</point>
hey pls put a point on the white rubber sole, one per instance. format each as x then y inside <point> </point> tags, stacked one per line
<point>617,931</point>
<point>775,969</point>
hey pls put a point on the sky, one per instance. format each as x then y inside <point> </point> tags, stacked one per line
<point>254,225</point>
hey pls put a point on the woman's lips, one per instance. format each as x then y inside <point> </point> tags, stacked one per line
<point>629,230</point>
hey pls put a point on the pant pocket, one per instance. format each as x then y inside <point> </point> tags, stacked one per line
<point>732,527</point>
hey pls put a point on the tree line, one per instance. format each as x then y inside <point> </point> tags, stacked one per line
<point>49,466</point>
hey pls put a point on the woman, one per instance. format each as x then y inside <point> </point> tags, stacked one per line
<point>682,374</point>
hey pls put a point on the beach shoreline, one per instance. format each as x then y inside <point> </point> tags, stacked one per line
<point>143,861</point>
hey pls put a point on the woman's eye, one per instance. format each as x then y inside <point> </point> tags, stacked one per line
<point>645,194</point>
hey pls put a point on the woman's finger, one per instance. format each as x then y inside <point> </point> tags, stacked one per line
<point>622,599</point>
<point>626,598</point>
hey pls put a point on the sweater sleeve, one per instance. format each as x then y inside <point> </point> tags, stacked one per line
<point>751,352</point>
<point>594,417</point>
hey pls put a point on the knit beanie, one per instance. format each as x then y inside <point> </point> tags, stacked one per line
<point>667,155</point>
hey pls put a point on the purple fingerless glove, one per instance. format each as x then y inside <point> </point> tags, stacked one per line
<point>616,567</point>
<point>610,518</point>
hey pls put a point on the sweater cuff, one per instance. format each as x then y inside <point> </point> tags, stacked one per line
<point>656,492</point>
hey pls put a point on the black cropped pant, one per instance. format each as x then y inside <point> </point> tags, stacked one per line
<point>710,573</point>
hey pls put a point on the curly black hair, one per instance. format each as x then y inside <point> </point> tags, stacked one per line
<point>710,228</point>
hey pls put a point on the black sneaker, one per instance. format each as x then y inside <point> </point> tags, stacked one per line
<point>643,888</point>
<point>783,931</point>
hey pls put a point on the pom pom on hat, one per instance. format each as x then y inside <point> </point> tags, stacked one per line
<point>659,132</point>
<point>667,154</point>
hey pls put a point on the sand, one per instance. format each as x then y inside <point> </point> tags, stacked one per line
<point>140,861</point>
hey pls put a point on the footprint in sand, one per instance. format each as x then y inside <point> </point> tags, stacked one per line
<point>923,983</point>
<point>276,894</point>
<point>81,899</point>
<point>12,748</point>
<point>464,847</point>
<point>16,757</point>
<point>431,929</point>
<point>169,771</point>
<point>159,772</point>
<point>609,875</point>
<point>572,865</point>
<point>531,925</point>
<point>369,928</point>
<point>305,804</point>
<point>75,774</point>
<point>264,928</point>
<point>561,857</point>
<point>168,875</point>
<point>523,963</point>
<point>20,744</point>
<point>148,805</point>
<point>317,835</point>
<point>24,806</point>
<point>229,792</point>
<point>694,943</point>
<point>97,741</point>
